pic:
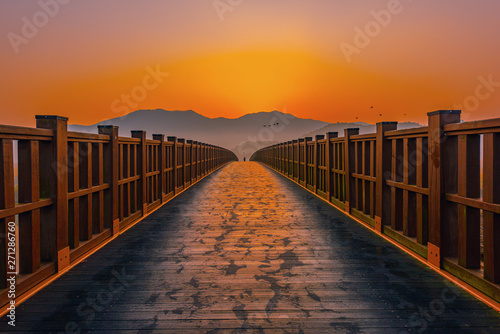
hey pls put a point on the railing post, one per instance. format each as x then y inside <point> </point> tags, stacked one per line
<point>142,169</point>
<point>182,141</point>
<point>219,156</point>
<point>174,162</point>
<point>272,156</point>
<point>162,165</point>
<point>7,201</point>
<point>200,156</point>
<point>383,172</point>
<point>190,168</point>
<point>203,158</point>
<point>491,194</point>
<point>111,169</point>
<point>283,158</point>
<point>296,162</point>
<point>208,158</point>
<point>329,163</point>
<point>54,183</point>
<point>306,160</point>
<point>193,161</point>
<point>441,233</point>
<point>316,161</point>
<point>196,159</point>
<point>282,147</point>
<point>213,156</point>
<point>289,155</point>
<point>278,155</point>
<point>302,158</point>
<point>350,187</point>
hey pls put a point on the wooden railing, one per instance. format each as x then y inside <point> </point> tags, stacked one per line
<point>76,190</point>
<point>430,188</point>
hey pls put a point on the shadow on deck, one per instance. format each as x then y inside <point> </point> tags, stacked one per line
<point>246,250</point>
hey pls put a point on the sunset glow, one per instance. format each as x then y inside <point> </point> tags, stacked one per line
<point>404,58</point>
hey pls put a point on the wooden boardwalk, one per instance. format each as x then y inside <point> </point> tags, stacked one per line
<point>247,251</point>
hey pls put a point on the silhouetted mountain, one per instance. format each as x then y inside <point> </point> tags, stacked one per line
<point>243,135</point>
<point>230,133</point>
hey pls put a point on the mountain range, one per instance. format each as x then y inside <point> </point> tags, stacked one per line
<point>243,135</point>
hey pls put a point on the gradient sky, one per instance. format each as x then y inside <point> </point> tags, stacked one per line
<point>261,56</point>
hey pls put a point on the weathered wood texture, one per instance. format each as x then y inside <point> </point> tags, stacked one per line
<point>247,251</point>
<point>423,187</point>
<point>75,190</point>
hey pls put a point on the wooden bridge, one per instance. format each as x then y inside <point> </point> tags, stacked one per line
<point>389,220</point>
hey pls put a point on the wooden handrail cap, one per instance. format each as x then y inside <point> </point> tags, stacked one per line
<point>59,118</point>
<point>444,112</point>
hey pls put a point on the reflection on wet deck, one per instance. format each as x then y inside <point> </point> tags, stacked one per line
<point>247,251</point>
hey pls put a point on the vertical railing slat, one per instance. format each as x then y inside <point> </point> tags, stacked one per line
<point>74,205</point>
<point>112,155</point>
<point>491,194</point>
<point>421,181</point>
<point>330,178</point>
<point>397,193</point>
<point>349,168</point>
<point>29,192</point>
<point>161,160</point>
<point>469,228</point>
<point>141,165</point>
<point>85,183</point>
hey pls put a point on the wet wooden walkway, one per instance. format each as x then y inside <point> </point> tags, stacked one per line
<point>248,251</point>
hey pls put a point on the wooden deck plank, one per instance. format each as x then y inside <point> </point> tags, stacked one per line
<point>246,250</point>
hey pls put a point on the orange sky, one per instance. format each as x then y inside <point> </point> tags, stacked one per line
<point>82,59</point>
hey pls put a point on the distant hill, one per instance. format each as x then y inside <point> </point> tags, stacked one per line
<point>244,135</point>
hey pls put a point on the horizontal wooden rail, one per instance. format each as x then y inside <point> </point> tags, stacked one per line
<point>422,187</point>
<point>68,192</point>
